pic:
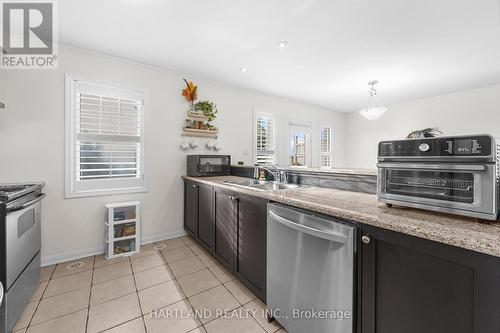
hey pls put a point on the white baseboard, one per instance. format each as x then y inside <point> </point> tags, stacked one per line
<point>55,259</point>
<point>160,237</point>
<point>68,256</point>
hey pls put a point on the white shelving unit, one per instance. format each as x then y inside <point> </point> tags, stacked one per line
<point>200,133</point>
<point>122,229</point>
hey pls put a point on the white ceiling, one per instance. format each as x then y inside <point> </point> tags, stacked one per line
<point>414,48</point>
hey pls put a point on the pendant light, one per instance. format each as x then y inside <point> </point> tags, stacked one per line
<point>375,108</point>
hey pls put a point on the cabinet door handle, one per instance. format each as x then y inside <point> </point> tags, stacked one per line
<point>194,186</point>
<point>366,239</point>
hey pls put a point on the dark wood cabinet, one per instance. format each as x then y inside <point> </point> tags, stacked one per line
<point>225,214</point>
<point>190,208</point>
<point>413,285</point>
<point>233,227</point>
<point>205,230</point>
<point>251,244</point>
<point>198,217</point>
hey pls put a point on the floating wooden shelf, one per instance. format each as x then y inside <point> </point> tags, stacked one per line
<point>197,116</point>
<point>200,133</point>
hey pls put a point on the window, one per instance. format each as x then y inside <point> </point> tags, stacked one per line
<point>325,147</point>
<point>300,145</point>
<point>104,139</point>
<point>265,152</point>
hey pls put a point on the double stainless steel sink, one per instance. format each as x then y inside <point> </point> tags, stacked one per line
<point>261,185</point>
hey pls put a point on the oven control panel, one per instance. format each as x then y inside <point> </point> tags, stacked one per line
<point>460,146</point>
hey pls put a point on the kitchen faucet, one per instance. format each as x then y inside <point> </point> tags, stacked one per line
<point>279,175</point>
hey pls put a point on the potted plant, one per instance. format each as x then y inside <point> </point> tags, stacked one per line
<point>209,110</point>
<point>425,133</point>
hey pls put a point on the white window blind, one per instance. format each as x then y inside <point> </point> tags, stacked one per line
<point>265,140</point>
<point>325,147</point>
<point>108,141</point>
<point>105,138</point>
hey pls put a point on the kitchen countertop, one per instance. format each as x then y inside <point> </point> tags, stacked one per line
<point>364,208</point>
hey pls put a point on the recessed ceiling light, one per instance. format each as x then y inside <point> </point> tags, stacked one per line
<point>281,44</point>
<point>243,69</point>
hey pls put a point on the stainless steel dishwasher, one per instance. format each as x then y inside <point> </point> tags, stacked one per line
<point>310,271</point>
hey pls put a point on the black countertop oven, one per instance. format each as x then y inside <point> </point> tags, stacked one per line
<point>208,165</point>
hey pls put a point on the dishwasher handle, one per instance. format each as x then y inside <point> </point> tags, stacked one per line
<point>332,236</point>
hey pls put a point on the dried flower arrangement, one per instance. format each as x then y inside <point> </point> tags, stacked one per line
<point>207,110</point>
<point>190,92</point>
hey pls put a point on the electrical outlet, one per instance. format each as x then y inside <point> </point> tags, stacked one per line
<point>245,151</point>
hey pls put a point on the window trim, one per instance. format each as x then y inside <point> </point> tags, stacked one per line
<point>330,153</point>
<point>258,114</point>
<point>305,123</point>
<point>70,182</point>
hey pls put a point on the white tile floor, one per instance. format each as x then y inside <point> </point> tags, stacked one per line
<point>171,286</point>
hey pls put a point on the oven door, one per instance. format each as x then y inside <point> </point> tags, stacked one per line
<point>23,238</point>
<point>467,189</point>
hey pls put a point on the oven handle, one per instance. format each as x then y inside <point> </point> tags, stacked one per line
<point>454,167</point>
<point>26,205</point>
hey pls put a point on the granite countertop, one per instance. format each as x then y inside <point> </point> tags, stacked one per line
<point>364,208</point>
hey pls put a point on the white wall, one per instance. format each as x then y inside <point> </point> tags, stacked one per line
<point>468,112</point>
<point>32,143</point>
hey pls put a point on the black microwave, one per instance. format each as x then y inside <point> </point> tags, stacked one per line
<point>208,165</point>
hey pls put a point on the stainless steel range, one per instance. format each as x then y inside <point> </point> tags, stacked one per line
<point>457,175</point>
<point>20,214</point>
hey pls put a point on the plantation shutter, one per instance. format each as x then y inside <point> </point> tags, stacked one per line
<point>265,140</point>
<point>108,132</point>
<point>325,147</point>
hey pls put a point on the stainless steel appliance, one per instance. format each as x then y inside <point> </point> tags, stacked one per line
<point>310,271</point>
<point>457,175</point>
<point>20,213</point>
<point>208,165</point>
